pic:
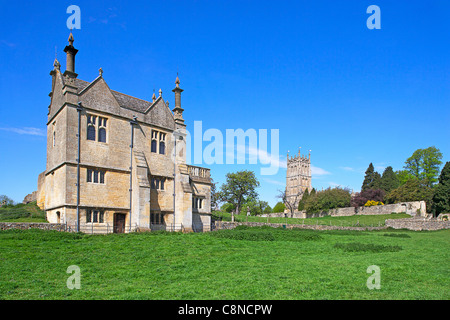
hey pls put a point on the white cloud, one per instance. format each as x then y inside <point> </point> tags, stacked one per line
<point>274,182</point>
<point>27,130</point>
<point>347,168</point>
<point>316,171</point>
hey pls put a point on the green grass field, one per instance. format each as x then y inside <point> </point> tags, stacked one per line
<point>247,263</point>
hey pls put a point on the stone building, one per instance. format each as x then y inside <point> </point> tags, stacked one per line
<point>298,178</point>
<point>116,162</point>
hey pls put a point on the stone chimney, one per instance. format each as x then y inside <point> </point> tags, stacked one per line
<point>70,58</point>
<point>178,111</point>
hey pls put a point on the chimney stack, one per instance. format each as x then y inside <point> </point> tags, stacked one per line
<point>70,58</point>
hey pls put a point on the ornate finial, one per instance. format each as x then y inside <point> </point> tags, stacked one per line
<point>177,81</point>
<point>100,72</point>
<point>154,96</point>
<point>160,92</point>
<point>71,40</point>
<point>56,64</point>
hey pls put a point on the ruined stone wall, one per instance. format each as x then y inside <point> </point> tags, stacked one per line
<point>32,225</point>
<point>417,224</point>
<point>411,208</point>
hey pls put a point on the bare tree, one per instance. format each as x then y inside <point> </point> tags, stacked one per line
<point>290,202</point>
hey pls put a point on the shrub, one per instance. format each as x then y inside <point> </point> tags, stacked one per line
<point>279,207</point>
<point>412,190</point>
<point>330,198</point>
<point>371,203</point>
<point>361,198</point>
<point>227,207</point>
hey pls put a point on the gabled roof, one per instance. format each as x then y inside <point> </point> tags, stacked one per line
<point>98,95</point>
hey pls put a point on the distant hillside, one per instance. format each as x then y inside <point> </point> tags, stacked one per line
<point>29,212</point>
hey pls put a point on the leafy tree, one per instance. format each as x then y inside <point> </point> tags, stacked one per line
<point>268,209</point>
<point>412,190</point>
<point>361,198</point>
<point>424,164</point>
<point>279,207</point>
<point>389,180</point>
<point>239,188</point>
<point>330,198</point>
<point>227,207</point>
<point>256,207</point>
<point>372,179</point>
<point>301,203</point>
<point>403,176</point>
<point>441,197</point>
<point>5,200</point>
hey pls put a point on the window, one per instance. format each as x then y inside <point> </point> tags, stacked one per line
<point>154,141</point>
<point>95,176</point>
<point>95,216</point>
<point>157,183</point>
<point>101,129</point>
<point>162,143</point>
<point>158,140</point>
<point>197,203</point>
<point>154,146</point>
<point>156,218</point>
<point>94,125</point>
<point>91,127</point>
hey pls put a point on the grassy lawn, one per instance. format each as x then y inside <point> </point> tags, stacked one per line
<point>356,220</point>
<point>248,263</point>
<point>29,212</point>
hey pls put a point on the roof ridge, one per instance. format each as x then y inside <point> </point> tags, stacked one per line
<point>130,96</point>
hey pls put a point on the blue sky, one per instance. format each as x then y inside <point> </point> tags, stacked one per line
<point>311,69</point>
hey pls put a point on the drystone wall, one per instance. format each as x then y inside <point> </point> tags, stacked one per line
<point>414,208</point>
<point>31,225</point>
<point>417,224</point>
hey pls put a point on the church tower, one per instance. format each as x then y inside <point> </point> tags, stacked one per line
<point>298,177</point>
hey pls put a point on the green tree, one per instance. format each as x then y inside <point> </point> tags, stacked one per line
<point>372,179</point>
<point>256,207</point>
<point>239,187</point>
<point>279,207</point>
<point>5,200</point>
<point>268,209</point>
<point>424,164</point>
<point>412,190</point>
<point>441,196</point>
<point>301,203</point>
<point>227,207</point>
<point>327,199</point>
<point>389,180</point>
<point>403,176</point>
